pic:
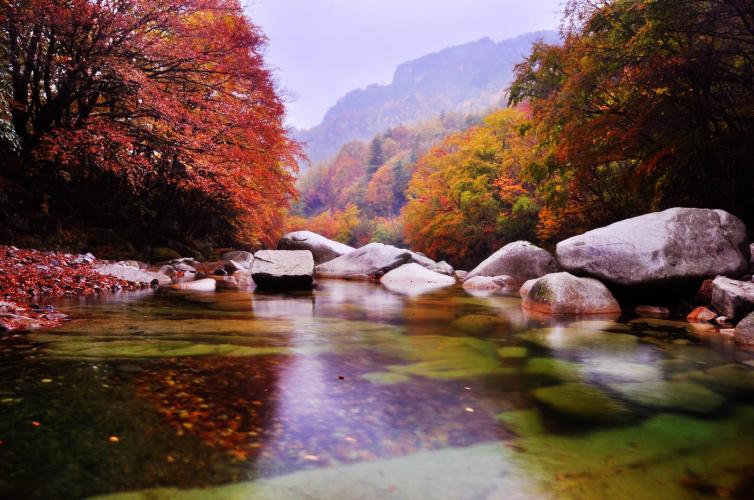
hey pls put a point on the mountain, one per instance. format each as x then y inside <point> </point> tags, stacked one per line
<point>467,78</point>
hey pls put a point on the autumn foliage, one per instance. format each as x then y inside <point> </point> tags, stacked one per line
<point>155,118</point>
<point>645,105</point>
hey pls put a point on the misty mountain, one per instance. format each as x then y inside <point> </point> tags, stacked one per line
<point>467,78</point>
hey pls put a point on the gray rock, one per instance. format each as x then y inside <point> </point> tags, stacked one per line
<point>460,275</point>
<point>413,277</point>
<point>245,259</point>
<point>442,267</point>
<point>660,247</point>
<point>563,293</point>
<point>323,249</point>
<point>520,260</point>
<point>369,261</point>
<point>491,284</point>
<point>283,269</point>
<point>745,331</point>
<point>132,274</point>
<point>168,270</point>
<point>733,298</point>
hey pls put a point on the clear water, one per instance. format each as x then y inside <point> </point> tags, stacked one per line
<point>352,391</point>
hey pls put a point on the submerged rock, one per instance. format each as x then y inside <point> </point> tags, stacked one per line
<point>476,324</point>
<point>520,260</point>
<point>563,293</point>
<point>283,269</point>
<point>322,249</point>
<point>728,378</point>
<point>671,395</point>
<point>554,368</point>
<point>652,311</point>
<point>582,402</point>
<point>733,298</point>
<point>676,244</point>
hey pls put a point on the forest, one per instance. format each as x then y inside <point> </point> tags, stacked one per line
<point>644,105</point>
<point>132,125</point>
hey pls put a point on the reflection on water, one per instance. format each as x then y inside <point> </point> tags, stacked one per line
<point>355,391</point>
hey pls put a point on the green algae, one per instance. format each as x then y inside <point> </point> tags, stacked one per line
<point>671,395</point>
<point>446,358</point>
<point>652,459</point>
<point>163,349</point>
<point>554,368</point>
<point>513,352</point>
<point>575,339</point>
<point>602,325</point>
<point>728,378</point>
<point>476,324</point>
<point>581,402</point>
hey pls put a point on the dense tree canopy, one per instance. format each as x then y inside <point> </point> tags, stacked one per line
<point>647,104</point>
<point>466,197</point>
<point>161,111</point>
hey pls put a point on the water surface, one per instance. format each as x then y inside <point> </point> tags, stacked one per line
<point>353,391</point>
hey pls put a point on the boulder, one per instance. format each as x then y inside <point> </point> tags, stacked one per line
<point>323,249</point>
<point>491,284</point>
<point>751,260</point>
<point>244,259</point>
<point>563,293</point>
<point>414,276</point>
<point>370,261</point>
<point>132,274</point>
<point>524,290</point>
<point>204,285</point>
<point>744,333</point>
<point>286,269</point>
<point>520,260</point>
<point>460,275</point>
<point>733,298</point>
<point>662,247</point>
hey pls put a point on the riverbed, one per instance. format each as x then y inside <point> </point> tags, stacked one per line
<point>354,391</point>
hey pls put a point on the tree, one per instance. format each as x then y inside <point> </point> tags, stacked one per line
<point>376,156</point>
<point>646,105</point>
<point>167,101</point>
<point>466,198</point>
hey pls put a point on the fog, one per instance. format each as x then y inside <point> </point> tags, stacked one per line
<point>321,49</point>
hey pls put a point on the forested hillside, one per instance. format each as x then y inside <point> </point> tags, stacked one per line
<point>469,78</point>
<point>358,196</point>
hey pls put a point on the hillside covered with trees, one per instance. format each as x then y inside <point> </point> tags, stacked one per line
<point>469,78</point>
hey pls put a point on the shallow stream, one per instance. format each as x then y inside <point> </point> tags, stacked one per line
<point>353,391</point>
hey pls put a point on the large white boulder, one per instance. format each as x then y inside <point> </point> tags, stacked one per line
<point>491,284</point>
<point>323,249</point>
<point>676,244</point>
<point>520,260</point>
<point>414,274</point>
<point>370,261</point>
<point>564,293</point>
<point>284,269</point>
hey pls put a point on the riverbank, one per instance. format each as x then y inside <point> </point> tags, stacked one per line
<point>26,276</point>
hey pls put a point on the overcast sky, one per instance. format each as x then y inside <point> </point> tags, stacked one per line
<point>321,49</point>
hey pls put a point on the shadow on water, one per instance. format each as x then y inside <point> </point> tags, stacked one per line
<point>352,387</point>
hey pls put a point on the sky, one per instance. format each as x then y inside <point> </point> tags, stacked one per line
<point>321,49</point>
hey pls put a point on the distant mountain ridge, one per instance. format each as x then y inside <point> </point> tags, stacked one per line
<point>466,78</point>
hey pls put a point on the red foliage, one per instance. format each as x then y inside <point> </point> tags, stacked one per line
<point>26,275</point>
